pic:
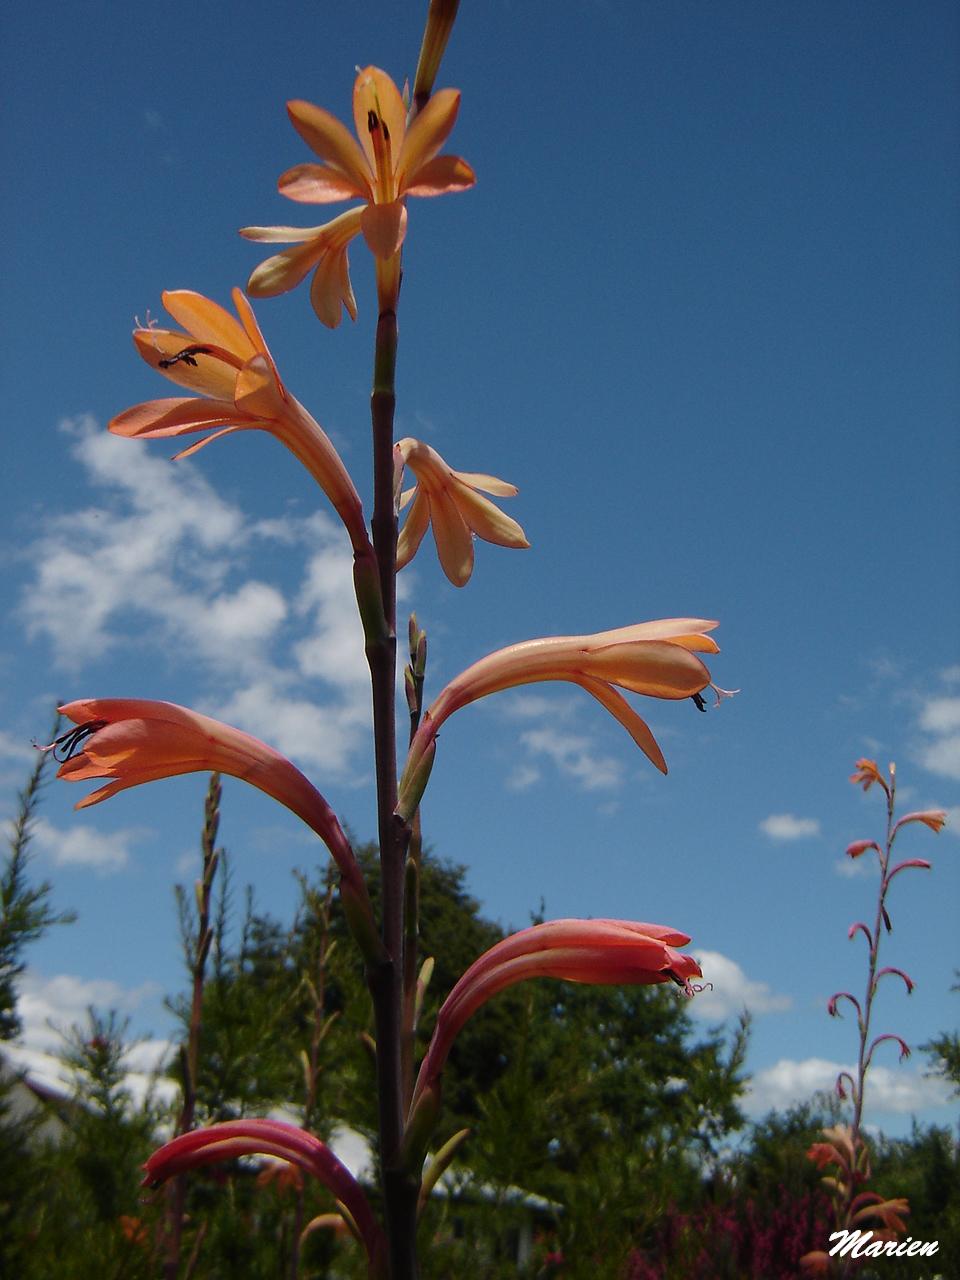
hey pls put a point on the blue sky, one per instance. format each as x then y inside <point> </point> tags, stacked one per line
<point>701,307</point>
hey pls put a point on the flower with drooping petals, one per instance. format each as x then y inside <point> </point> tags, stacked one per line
<point>588,951</point>
<point>451,501</point>
<point>657,659</point>
<point>134,740</point>
<point>285,1141</point>
<point>228,363</point>
<point>390,162</point>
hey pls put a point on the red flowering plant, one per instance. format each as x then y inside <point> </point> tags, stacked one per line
<point>231,383</point>
<point>863,1217</point>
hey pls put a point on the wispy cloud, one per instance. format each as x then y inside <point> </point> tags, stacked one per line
<point>731,991</point>
<point>789,1082</point>
<point>786,826</point>
<point>939,721</point>
<point>82,845</point>
<point>572,752</point>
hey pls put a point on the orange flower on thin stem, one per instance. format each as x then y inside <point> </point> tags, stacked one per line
<point>657,659</point>
<point>228,363</point>
<point>588,951</point>
<point>390,162</point>
<point>134,740</point>
<point>451,501</point>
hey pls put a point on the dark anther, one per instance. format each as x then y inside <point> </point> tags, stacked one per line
<point>698,702</point>
<point>70,744</point>
<point>373,122</point>
<point>187,355</point>
<point>886,920</point>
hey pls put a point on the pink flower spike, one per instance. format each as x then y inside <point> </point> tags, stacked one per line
<point>860,846</point>
<point>834,1000</point>
<point>274,1138</point>
<point>133,740</point>
<point>935,819</point>
<point>920,863</point>
<point>908,982</point>
<point>888,1035</point>
<point>855,928</point>
<point>589,951</point>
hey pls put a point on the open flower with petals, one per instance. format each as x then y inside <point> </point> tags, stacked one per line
<point>284,1141</point>
<point>589,951</point>
<point>657,659</point>
<point>228,363</point>
<point>390,162</point>
<point>451,501</point>
<point>133,740</point>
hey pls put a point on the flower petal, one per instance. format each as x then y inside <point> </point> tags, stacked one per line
<point>332,141</point>
<point>258,391</point>
<point>426,135</point>
<point>374,91</point>
<point>621,710</point>
<point>318,184</point>
<point>414,527</point>
<point>284,271</point>
<point>155,419</point>
<point>487,520</point>
<point>207,321</point>
<point>657,669</point>
<point>489,484</point>
<point>440,175</point>
<point>327,292</point>
<point>384,227</point>
<point>282,235</point>
<point>211,371</point>
<point>453,538</point>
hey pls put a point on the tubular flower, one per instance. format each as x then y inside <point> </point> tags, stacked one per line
<point>132,740</point>
<point>653,658</point>
<point>273,1138</point>
<point>389,163</point>
<point>588,951</point>
<point>228,363</point>
<point>450,501</point>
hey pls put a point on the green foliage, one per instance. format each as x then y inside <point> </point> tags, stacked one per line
<point>945,1052</point>
<point>25,910</point>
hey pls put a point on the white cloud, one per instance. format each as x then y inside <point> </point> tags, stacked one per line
<point>939,721</point>
<point>785,826</point>
<point>14,748</point>
<point>522,777</point>
<point>730,990</point>
<point>940,715</point>
<point>161,552</point>
<point>574,757</point>
<point>84,846</point>
<point>47,1005</point>
<point>953,819</point>
<point>889,1089</point>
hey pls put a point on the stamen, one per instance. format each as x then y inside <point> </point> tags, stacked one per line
<point>698,702</point>
<point>71,743</point>
<point>380,137</point>
<point>187,355</point>
<point>722,693</point>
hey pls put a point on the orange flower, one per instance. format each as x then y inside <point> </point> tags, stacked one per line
<point>589,951</point>
<point>656,659</point>
<point>389,163</point>
<point>133,740</point>
<point>450,501</point>
<point>229,364</point>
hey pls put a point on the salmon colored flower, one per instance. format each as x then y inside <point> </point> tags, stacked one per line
<point>450,501</point>
<point>228,363</point>
<point>272,1138</point>
<point>588,951</point>
<point>133,740</point>
<point>656,659</point>
<point>390,162</point>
